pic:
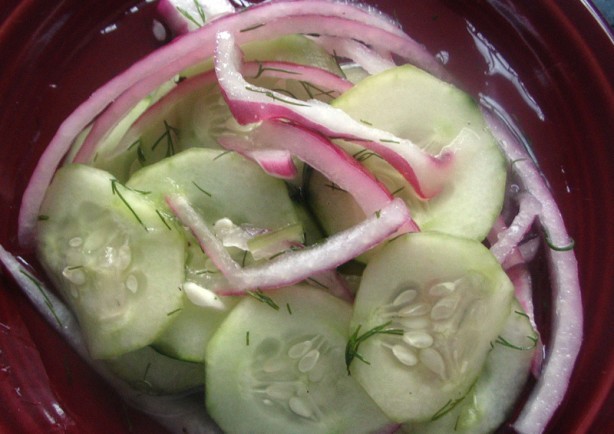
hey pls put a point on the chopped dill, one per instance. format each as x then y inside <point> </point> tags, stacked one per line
<point>262,69</point>
<point>272,95</point>
<point>351,349</point>
<point>116,192</point>
<point>163,219</point>
<point>188,15</point>
<point>247,29</point>
<point>288,308</point>
<point>263,298</point>
<point>48,303</point>
<point>504,342</point>
<point>201,189</point>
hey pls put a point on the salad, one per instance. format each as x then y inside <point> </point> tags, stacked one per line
<point>300,211</point>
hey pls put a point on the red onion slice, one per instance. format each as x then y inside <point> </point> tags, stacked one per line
<point>294,266</point>
<point>509,238</point>
<point>315,150</point>
<point>566,298</point>
<point>250,104</point>
<point>363,56</point>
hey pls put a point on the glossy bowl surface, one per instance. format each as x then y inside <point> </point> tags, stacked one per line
<point>549,63</point>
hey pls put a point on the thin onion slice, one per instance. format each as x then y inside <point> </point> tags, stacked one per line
<point>566,298</point>
<point>342,170</point>
<point>295,266</point>
<point>251,104</point>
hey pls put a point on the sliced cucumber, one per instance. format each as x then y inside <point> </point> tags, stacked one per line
<point>412,104</point>
<point>153,373</point>
<point>114,260</point>
<point>187,337</point>
<point>283,371</point>
<point>450,298</point>
<point>221,185</point>
<point>491,399</point>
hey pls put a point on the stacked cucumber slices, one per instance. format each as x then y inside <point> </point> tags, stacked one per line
<point>206,238</point>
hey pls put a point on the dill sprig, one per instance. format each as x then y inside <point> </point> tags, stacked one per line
<point>116,192</point>
<point>188,15</point>
<point>202,190</point>
<point>274,97</point>
<point>451,404</point>
<point>309,88</point>
<point>351,348</point>
<point>168,135</point>
<point>48,302</point>
<point>502,341</point>
<point>262,69</point>
<point>263,298</point>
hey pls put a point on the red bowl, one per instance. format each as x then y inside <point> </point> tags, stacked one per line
<point>549,63</point>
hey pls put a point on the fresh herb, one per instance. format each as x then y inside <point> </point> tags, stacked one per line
<point>115,191</point>
<point>169,131</point>
<point>502,341</point>
<point>351,349</point>
<point>364,155</point>
<point>48,302</point>
<point>43,217</point>
<point>557,248</point>
<point>389,141</point>
<point>320,284</point>
<point>221,154</point>
<point>451,404</point>
<point>247,29</point>
<point>262,69</point>
<point>163,219</point>
<point>398,190</point>
<point>272,95</point>
<point>247,338</point>
<point>263,298</point>
<point>337,60</point>
<point>188,15</point>
<point>309,88</point>
<point>201,189</point>
<point>173,312</point>
<point>288,308</point>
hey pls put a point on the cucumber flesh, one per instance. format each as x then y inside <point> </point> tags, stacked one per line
<point>503,378</point>
<point>221,185</point>
<point>283,371</point>
<point>150,372</point>
<point>115,262</point>
<point>412,104</point>
<point>450,298</point>
<point>186,338</point>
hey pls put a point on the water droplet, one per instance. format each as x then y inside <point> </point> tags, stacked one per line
<point>308,361</point>
<point>404,355</point>
<point>418,339</point>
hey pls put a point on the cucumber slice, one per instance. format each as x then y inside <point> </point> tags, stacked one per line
<point>115,262</point>
<point>450,298</point>
<point>412,104</point>
<point>283,371</point>
<point>187,337</point>
<point>221,185</point>
<point>153,373</point>
<point>491,399</point>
